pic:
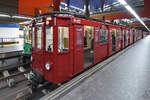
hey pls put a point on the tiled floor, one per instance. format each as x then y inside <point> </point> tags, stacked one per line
<point>126,78</point>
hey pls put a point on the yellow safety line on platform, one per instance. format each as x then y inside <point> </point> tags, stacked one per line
<point>7,45</point>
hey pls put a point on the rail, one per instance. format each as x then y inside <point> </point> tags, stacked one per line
<point>9,67</point>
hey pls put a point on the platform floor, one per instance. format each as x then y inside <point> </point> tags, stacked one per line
<point>11,49</point>
<point>126,78</point>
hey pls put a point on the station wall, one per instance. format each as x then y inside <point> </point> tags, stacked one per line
<point>9,31</point>
<point>10,34</point>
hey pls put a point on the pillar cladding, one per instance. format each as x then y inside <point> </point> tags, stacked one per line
<point>56,5</point>
<point>68,4</point>
<point>87,7</point>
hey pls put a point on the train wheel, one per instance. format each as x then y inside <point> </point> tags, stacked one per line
<point>34,80</point>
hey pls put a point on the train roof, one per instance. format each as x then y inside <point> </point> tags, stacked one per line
<point>69,14</point>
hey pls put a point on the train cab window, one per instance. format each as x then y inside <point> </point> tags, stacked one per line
<point>103,36</point>
<point>49,38</point>
<point>119,34</point>
<point>39,37</point>
<point>63,39</point>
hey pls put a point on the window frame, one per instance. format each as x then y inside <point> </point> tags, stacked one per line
<point>79,46</point>
<point>52,38</point>
<point>63,52</point>
<point>36,27</point>
<point>33,37</point>
<point>97,35</point>
<point>119,34</point>
<point>106,40</point>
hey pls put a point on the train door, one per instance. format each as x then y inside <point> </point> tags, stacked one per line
<point>127,37</point>
<point>113,40</point>
<point>78,49</point>
<point>119,41</point>
<point>131,36</point>
<point>88,46</point>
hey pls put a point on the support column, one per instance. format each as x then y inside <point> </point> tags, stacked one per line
<point>68,4</point>
<point>102,5</point>
<point>56,5</point>
<point>102,8</point>
<point>86,7</point>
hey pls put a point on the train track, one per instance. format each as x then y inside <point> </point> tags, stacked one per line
<point>71,84</point>
<point>13,69</point>
<point>9,55</point>
<point>10,76</point>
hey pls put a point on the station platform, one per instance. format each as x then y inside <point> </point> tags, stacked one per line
<point>126,78</point>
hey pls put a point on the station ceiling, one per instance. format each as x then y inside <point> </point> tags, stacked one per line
<point>94,4</point>
<point>11,7</point>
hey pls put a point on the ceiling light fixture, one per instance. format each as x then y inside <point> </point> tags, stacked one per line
<point>124,3</point>
<point>4,15</point>
<point>22,17</point>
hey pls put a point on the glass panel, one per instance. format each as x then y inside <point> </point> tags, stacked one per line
<point>33,38</point>
<point>39,39</point>
<point>49,38</point>
<point>97,37</point>
<point>103,36</point>
<point>63,39</point>
<point>131,36</point>
<point>79,38</point>
<point>119,35</point>
<point>88,37</point>
<point>127,34</point>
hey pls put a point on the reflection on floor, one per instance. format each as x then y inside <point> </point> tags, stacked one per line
<point>126,78</point>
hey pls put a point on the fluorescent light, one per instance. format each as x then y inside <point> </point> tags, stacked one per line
<point>26,22</point>
<point>4,15</point>
<point>21,17</point>
<point>123,2</point>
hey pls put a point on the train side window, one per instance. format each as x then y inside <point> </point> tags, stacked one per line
<point>49,38</point>
<point>97,35</point>
<point>63,39</point>
<point>79,38</point>
<point>119,34</point>
<point>103,36</point>
<point>39,37</point>
<point>127,34</point>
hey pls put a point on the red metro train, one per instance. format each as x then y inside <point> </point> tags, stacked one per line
<point>64,46</point>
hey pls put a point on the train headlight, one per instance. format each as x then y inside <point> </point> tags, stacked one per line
<point>47,66</point>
